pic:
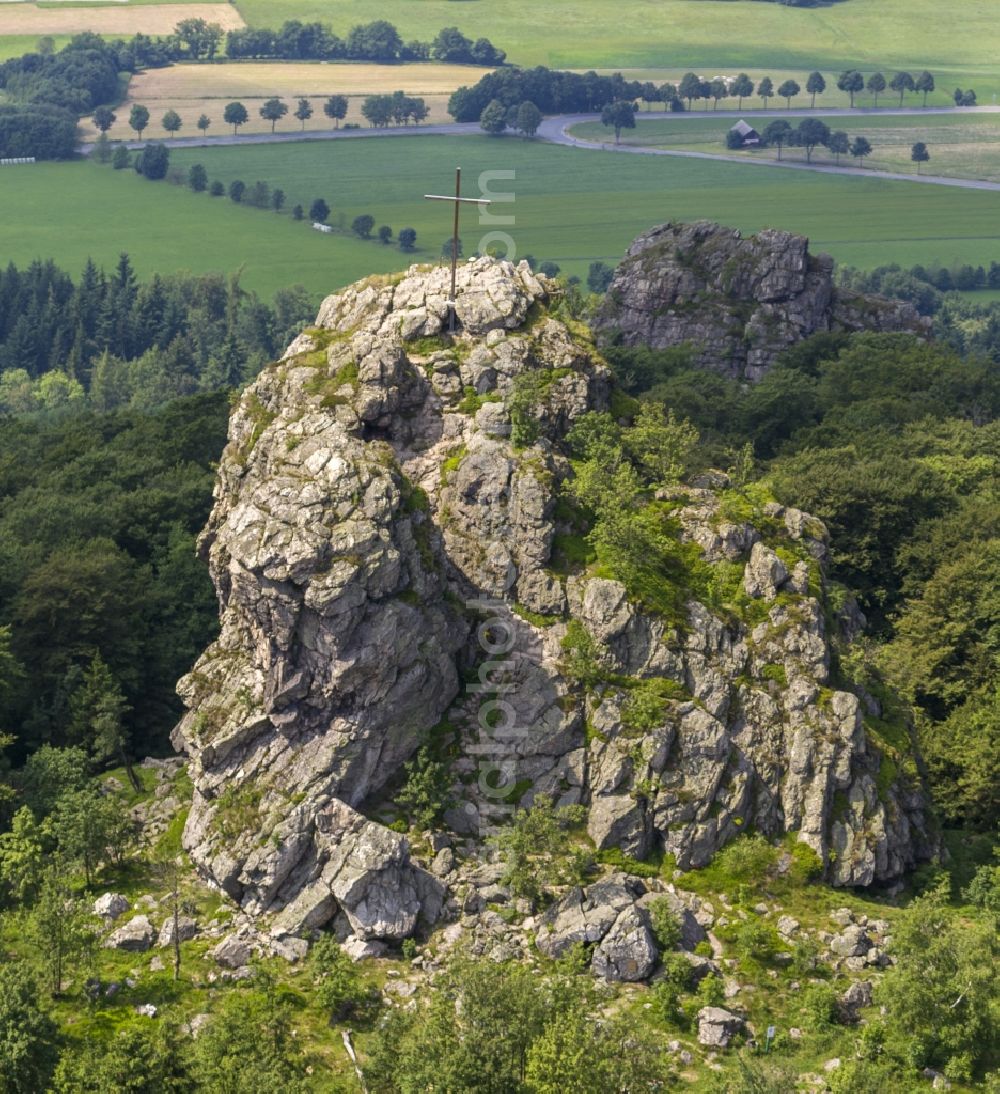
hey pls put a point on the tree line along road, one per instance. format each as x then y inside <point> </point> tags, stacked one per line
<point>555,130</point>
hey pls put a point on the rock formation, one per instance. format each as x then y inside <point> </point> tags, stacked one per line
<point>737,302</point>
<point>382,551</point>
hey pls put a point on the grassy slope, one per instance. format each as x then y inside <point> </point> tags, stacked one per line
<point>572,206</point>
<point>967,146</point>
<point>663,33</point>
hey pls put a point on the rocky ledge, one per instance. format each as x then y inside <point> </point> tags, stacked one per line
<point>737,302</point>
<point>382,547</point>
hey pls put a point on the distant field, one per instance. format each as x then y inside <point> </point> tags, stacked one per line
<point>127,19</point>
<point>961,146</point>
<point>192,90</point>
<point>673,33</point>
<point>572,206</point>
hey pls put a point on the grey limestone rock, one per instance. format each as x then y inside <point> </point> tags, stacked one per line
<point>375,530</point>
<point>738,301</point>
<point>137,935</point>
<point>109,906</point>
<point>717,1026</point>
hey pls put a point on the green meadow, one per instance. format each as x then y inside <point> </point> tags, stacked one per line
<point>668,33</point>
<point>572,206</point>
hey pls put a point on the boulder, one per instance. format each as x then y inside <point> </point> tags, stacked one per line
<point>765,573</point>
<point>233,952</point>
<point>628,951</point>
<point>187,929</point>
<point>137,935</point>
<point>586,915</point>
<point>853,941</point>
<point>856,998</point>
<point>718,1026</point>
<point>109,906</point>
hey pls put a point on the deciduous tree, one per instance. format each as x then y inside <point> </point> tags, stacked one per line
<point>171,121</point>
<point>138,119</point>
<point>273,111</point>
<point>902,82</point>
<point>104,118</point>
<point>741,87</point>
<point>335,108</point>
<point>788,90</point>
<point>861,147</point>
<point>815,85</point>
<point>619,115</point>
<point>851,82</point>
<point>304,111</point>
<point>235,114</point>
<point>876,85</point>
<point>493,119</point>
<point>919,154</point>
<point>924,83</point>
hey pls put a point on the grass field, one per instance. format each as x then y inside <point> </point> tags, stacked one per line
<point>123,19</point>
<point>192,90</point>
<point>572,206</point>
<point>961,146</point>
<point>670,33</point>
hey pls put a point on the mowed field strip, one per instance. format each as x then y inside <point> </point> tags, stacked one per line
<point>192,90</point>
<point>121,19</point>
<point>573,206</point>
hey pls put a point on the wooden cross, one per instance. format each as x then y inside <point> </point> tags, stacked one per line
<point>458,200</point>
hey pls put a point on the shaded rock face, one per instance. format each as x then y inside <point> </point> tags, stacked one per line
<point>375,530</point>
<point>738,302</point>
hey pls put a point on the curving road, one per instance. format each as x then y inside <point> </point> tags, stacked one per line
<point>555,130</point>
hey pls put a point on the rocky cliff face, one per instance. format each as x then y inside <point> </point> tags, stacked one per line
<point>738,302</point>
<point>383,555</point>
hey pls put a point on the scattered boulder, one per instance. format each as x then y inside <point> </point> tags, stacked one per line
<point>147,1010</point>
<point>233,952</point>
<point>718,1026</point>
<point>853,941</point>
<point>787,926</point>
<point>137,935</point>
<point>187,929</point>
<point>358,949</point>
<point>586,915</point>
<point>109,906</point>
<point>628,951</point>
<point>856,998</point>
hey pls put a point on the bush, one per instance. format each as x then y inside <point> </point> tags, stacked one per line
<point>666,929</point>
<point>216,189</point>
<point>153,161</point>
<point>747,861</point>
<point>340,991</point>
<point>362,226</point>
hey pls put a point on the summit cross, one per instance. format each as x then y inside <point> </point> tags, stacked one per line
<point>459,201</point>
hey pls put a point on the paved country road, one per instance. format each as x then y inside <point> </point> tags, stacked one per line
<point>555,130</point>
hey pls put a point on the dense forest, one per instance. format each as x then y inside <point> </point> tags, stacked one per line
<point>115,393</point>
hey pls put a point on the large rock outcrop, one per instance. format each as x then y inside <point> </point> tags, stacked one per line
<point>737,302</point>
<point>382,544</point>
